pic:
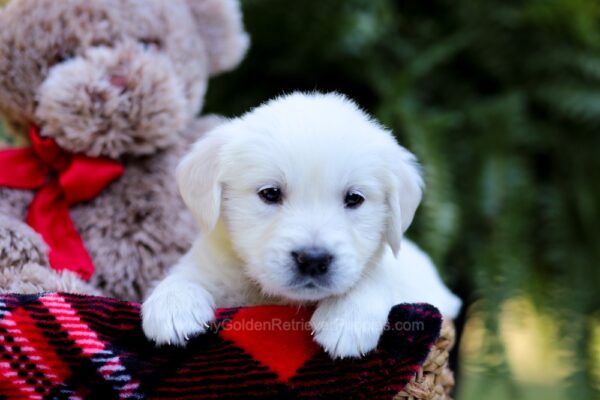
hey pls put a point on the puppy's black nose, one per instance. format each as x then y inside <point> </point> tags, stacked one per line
<point>312,261</point>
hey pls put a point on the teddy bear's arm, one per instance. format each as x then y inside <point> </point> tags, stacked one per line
<point>24,266</point>
<point>19,244</point>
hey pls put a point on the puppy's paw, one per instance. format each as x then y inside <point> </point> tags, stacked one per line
<point>345,330</point>
<point>174,312</point>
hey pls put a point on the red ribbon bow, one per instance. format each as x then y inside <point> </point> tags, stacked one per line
<point>61,180</point>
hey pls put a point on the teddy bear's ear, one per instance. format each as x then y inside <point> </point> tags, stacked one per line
<point>220,25</point>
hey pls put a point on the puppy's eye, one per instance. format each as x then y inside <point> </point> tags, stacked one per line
<point>353,199</point>
<point>270,194</point>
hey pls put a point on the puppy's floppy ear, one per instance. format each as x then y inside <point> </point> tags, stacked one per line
<point>219,23</point>
<point>198,177</point>
<point>405,185</point>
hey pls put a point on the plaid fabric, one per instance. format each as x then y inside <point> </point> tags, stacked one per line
<point>72,346</point>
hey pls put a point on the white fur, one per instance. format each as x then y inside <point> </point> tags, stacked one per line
<point>315,147</point>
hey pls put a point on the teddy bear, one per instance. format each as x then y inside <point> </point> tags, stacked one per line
<point>107,93</point>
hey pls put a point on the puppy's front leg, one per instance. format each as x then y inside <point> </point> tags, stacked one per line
<point>350,325</point>
<point>179,307</point>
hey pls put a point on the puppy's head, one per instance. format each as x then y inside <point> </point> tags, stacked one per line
<point>310,190</point>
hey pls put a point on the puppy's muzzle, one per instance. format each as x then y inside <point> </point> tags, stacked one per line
<point>312,261</point>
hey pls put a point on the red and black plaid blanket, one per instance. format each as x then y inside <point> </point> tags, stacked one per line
<point>65,346</point>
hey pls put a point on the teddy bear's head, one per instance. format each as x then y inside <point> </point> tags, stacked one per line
<point>113,77</point>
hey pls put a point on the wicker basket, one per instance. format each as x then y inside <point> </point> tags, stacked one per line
<point>434,380</point>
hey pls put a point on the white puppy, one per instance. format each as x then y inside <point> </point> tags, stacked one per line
<point>304,199</point>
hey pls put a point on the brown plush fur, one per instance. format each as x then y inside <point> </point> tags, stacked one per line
<point>122,79</point>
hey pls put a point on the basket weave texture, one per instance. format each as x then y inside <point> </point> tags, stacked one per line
<point>434,380</point>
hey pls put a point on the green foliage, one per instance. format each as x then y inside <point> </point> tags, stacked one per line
<point>501,102</point>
